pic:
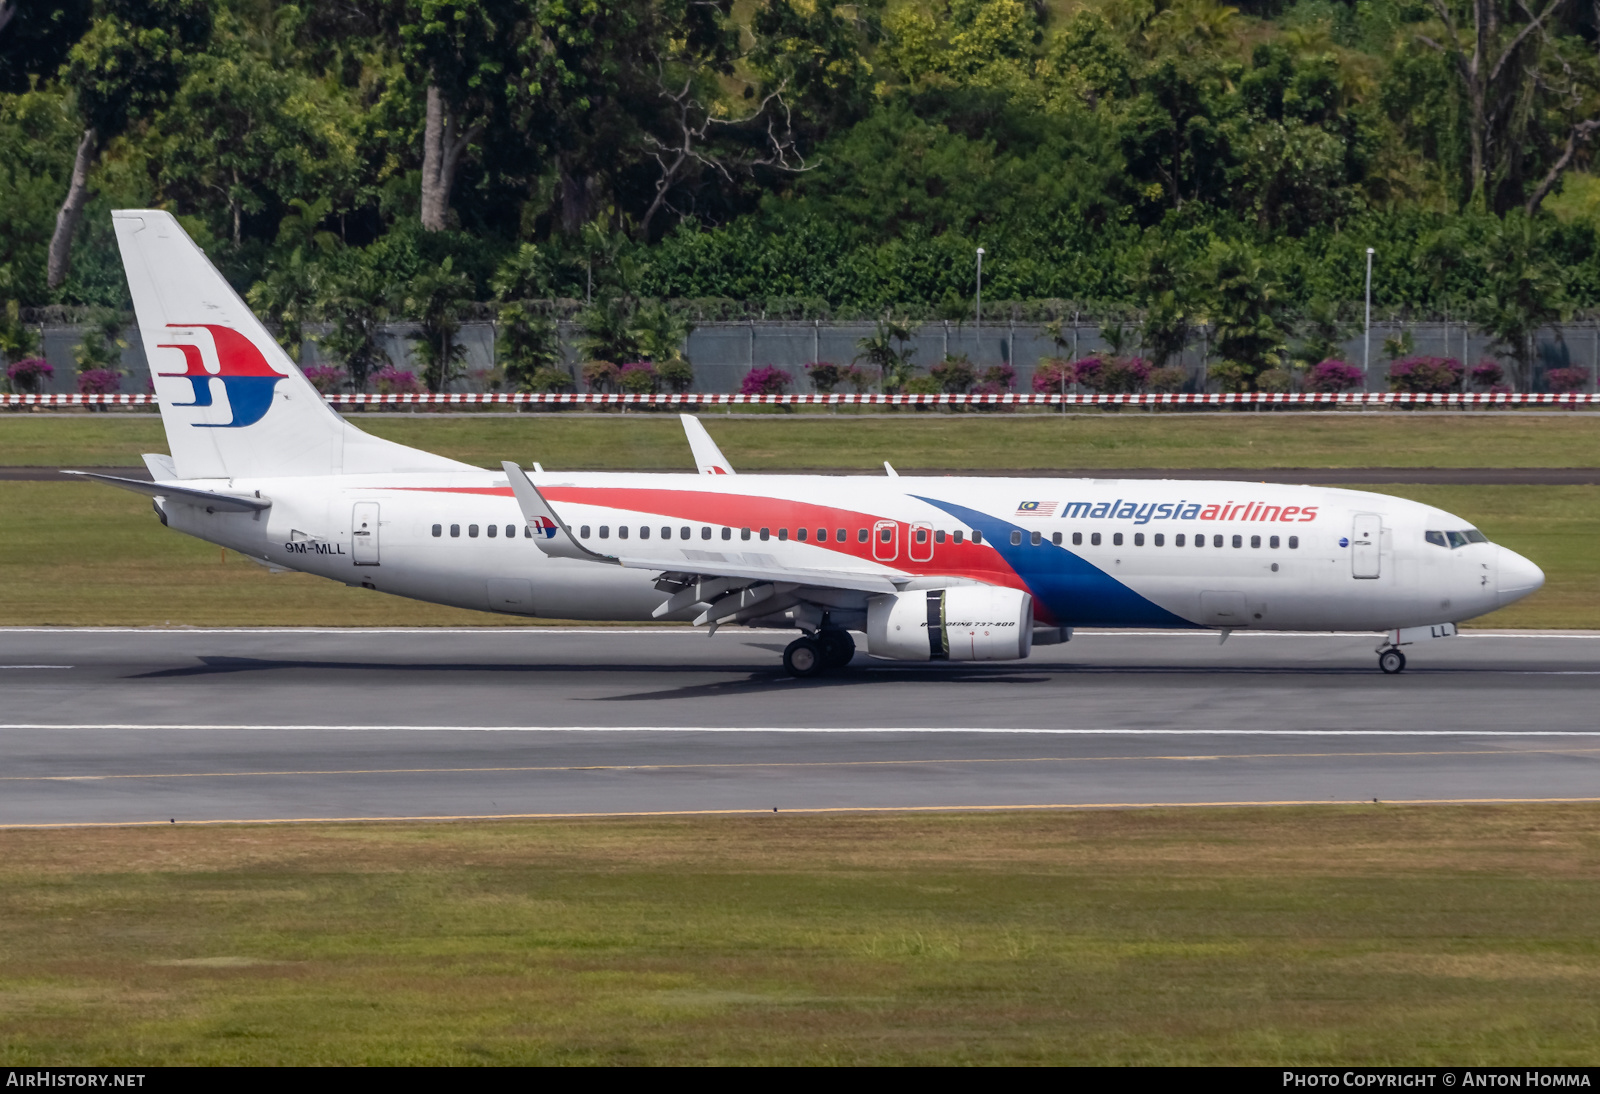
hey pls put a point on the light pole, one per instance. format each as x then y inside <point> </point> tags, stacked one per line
<point>978,354</point>
<point>1366,337</point>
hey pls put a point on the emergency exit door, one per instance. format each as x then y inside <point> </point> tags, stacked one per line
<point>364,533</point>
<point>1366,545</point>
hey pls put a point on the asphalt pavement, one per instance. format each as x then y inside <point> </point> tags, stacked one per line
<point>116,726</point>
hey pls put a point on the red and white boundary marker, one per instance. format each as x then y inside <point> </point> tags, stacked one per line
<point>547,399</point>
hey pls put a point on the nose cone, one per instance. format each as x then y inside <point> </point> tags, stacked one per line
<point>1518,576</point>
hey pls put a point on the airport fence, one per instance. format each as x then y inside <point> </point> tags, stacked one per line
<point>560,400</point>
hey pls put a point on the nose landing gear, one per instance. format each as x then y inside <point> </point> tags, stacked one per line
<point>1392,661</point>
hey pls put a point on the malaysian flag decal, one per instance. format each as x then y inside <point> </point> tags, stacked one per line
<point>1036,509</point>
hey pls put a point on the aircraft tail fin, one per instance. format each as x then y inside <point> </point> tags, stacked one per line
<point>708,458</point>
<point>232,402</point>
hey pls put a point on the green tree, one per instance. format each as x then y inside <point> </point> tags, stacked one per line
<point>885,349</point>
<point>438,301</point>
<point>289,296</point>
<point>1524,290</point>
<point>126,66</point>
<point>1245,301</point>
<point>357,305</point>
<point>605,331</point>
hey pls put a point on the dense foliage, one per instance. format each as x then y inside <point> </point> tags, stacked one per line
<point>1191,162</point>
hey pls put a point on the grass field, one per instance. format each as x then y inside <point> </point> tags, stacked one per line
<point>79,554</point>
<point>975,441</point>
<point>1348,935</point>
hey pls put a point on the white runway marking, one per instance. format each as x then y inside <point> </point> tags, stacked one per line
<point>37,666</point>
<point>834,731</point>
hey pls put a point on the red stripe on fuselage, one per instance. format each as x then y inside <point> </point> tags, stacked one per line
<point>968,560</point>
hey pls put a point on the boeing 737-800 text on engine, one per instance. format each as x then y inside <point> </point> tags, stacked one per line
<point>929,568</point>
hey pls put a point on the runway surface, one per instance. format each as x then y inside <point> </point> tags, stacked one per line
<point>142,726</point>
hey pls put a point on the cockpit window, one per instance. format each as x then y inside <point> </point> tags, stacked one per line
<point>1455,539</point>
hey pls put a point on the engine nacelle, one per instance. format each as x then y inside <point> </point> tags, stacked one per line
<point>964,623</point>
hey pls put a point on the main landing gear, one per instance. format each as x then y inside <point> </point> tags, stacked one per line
<point>1392,661</point>
<point>832,648</point>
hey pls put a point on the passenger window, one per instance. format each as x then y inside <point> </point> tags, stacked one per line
<point>511,531</point>
<point>685,532</point>
<point>527,533</point>
<point>1138,539</point>
<point>744,533</point>
<point>861,535</point>
<point>1055,537</point>
<point>822,535</point>
<point>705,531</point>
<point>455,531</point>
<point>583,533</point>
<point>957,535</point>
<point>1036,538</point>
<point>938,537</point>
<point>800,534</point>
<point>977,536</point>
<point>766,534</point>
<point>438,530</point>
<point>472,531</point>
<point>1216,541</point>
<point>783,535</point>
<point>1200,541</point>
<point>1294,543</point>
<point>1160,540</point>
<point>1016,539</point>
<point>1457,539</point>
<point>727,533</point>
<point>644,532</point>
<point>1178,540</point>
<point>1273,543</point>
<point>840,537</point>
<point>622,531</point>
<point>666,533</point>
<point>922,535</point>
<point>885,535</point>
<point>1238,541</point>
<point>1094,539</point>
<point>494,530</point>
<point>1255,541</point>
<point>605,531</point>
<point>1116,539</point>
<point>1077,539</point>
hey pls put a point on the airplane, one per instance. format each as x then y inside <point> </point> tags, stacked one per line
<point>927,569</point>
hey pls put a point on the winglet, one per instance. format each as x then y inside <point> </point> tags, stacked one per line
<point>708,458</point>
<point>550,532</point>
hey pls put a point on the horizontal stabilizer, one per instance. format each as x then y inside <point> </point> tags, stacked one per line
<point>207,499</point>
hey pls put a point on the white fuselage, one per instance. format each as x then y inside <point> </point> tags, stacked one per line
<point>1092,552</point>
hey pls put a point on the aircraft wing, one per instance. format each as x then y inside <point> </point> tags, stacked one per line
<point>708,458</point>
<point>733,584</point>
<point>207,499</point>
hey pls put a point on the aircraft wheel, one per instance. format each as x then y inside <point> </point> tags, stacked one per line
<point>1392,662</point>
<point>803,658</point>
<point>837,648</point>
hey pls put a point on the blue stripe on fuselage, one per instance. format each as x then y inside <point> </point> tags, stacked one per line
<point>1075,592</point>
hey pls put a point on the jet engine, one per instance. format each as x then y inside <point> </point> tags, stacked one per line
<point>964,623</point>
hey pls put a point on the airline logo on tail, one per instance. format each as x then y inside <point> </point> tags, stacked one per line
<point>246,377</point>
<point>543,527</point>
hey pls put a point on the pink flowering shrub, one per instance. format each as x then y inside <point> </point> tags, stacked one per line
<point>393,381</point>
<point>1054,376</point>
<point>1565,380</point>
<point>98,381</point>
<point>1425,375</point>
<point>638,378</point>
<point>1486,374</point>
<point>1332,376</point>
<point>327,379</point>
<point>27,374</point>
<point>1113,375</point>
<point>766,380</point>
